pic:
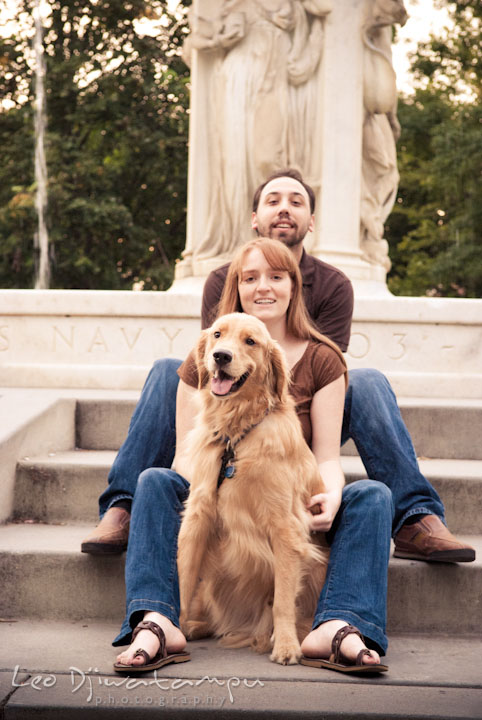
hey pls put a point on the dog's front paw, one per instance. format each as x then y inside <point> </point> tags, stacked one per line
<point>286,652</point>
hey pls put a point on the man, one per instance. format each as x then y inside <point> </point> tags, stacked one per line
<point>283,208</point>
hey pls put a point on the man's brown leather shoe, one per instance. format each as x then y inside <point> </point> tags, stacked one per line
<point>111,534</point>
<point>429,539</point>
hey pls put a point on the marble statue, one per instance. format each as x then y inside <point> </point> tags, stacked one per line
<point>262,96</point>
<point>381,129</point>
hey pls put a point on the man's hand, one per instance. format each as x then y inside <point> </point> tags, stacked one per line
<point>329,504</point>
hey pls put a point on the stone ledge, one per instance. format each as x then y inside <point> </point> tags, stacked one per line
<point>457,311</point>
<point>99,303</point>
<point>49,578</point>
<point>187,303</point>
<point>109,339</point>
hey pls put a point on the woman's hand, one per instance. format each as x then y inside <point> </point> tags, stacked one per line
<point>329,503</point>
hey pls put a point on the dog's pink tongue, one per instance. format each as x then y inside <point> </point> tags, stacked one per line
<point>221,386</point>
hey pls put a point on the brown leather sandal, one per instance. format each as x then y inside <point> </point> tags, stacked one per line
<point>348,666</point>
<point>159,660</point>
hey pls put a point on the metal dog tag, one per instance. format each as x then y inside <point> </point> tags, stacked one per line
<point>229,471</point>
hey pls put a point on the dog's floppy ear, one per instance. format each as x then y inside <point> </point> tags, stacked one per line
<point>279,370</point>
<point>203,375</point>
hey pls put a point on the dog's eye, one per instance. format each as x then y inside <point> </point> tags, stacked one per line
<point>250,341</point>
<point>217,334</point>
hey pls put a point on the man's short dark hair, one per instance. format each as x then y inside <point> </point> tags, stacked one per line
<point>291,173</point>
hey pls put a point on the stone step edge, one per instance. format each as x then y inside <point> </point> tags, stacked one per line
<point>76,457</point>
<point>64,487</point>
<point>430,467</point>
<point>30,538</point>
<point>129,396</point>
<point>352,465</point>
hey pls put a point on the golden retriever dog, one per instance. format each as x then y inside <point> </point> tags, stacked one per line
<point>245,528</point>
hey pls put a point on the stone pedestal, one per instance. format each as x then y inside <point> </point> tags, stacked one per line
<point>428,347</point>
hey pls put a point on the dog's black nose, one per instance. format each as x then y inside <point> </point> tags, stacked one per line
<point>222,357</point>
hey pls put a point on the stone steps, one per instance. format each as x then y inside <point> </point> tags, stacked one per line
<point>61,487</point>
<point>64,670</point>
<point>439,428</point>
<point>458,482</point>
<point>48,577</point>
<point>60,609</point>
<point>55,505</point>
<point>65,486</point>
<point>430,678</point>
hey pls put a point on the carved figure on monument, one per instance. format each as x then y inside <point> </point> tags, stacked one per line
<point>381,128</point>
<point>262,100</point>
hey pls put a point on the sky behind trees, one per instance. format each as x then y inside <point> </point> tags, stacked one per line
<point>423,18</point>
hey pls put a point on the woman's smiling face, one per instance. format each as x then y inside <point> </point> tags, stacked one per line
<point>264,291</point>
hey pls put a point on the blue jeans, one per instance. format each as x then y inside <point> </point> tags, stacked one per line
<point>372,418</point>
<point>355,589</point>
<point>356,585</point>
<point>151,439</point>
<point>151,561</point>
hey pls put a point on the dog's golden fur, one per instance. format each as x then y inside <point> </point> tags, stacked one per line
<point>249,541</point>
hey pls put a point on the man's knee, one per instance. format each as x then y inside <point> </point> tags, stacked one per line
<point>166,367</point>
<point>162,380</point>
<point>368,385</point>
<point>366,378</point>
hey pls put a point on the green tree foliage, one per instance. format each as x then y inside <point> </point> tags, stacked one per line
<point>116,144</point>
<point>435,229</point>
<point>117,151</point>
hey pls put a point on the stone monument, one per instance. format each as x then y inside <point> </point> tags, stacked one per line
<point>293,83</point>
<point>275,83</point>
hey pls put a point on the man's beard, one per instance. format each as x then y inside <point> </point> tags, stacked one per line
<point>291,237</point>
<point>287,237</point>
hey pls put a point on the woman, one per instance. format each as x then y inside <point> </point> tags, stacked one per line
<point>264,280</point>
